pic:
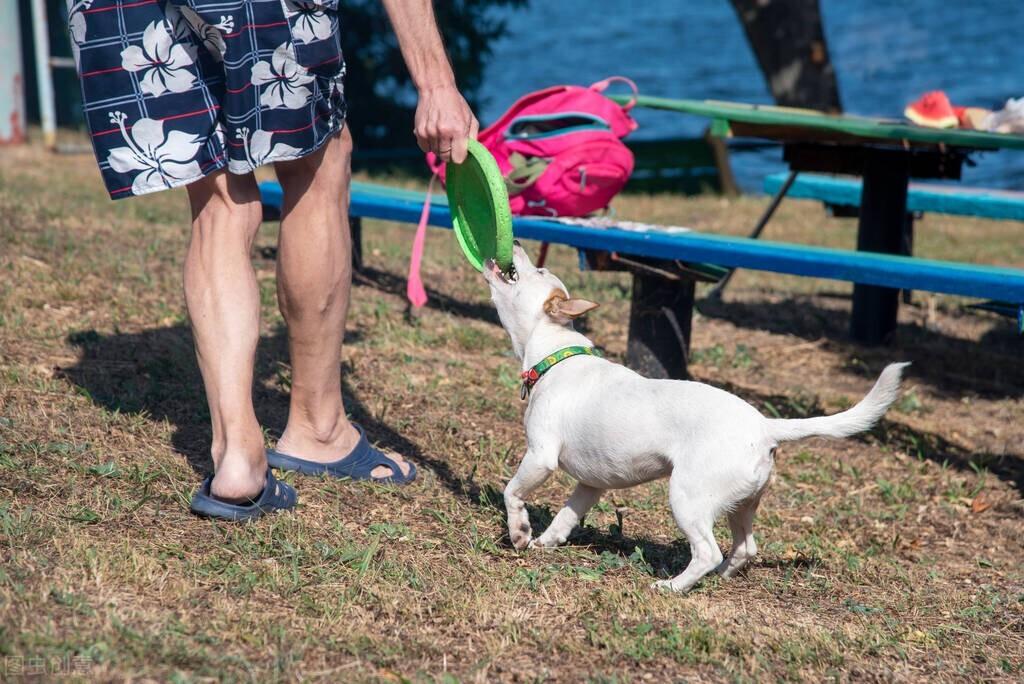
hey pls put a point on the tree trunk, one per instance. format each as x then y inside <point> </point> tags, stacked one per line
<point>788,40</point>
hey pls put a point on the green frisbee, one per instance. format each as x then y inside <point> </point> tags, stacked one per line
<point>481,215</point>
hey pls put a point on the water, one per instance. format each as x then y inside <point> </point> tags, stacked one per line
<point>885,53</point>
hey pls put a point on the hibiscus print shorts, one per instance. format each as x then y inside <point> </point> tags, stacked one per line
<point>174,90</point>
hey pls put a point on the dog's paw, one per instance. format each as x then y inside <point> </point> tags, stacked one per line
<point>726,570</point>
<point>543,542</point>
<point>520,539</point>
<point>666,585</point>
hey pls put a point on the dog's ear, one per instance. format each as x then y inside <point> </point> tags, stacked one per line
<point>563,309</point>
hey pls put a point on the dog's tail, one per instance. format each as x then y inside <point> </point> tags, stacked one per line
<point>857,419</point>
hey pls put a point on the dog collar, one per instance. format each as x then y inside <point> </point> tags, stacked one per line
<point>531,376</point>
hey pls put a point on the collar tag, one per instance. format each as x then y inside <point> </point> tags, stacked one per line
<point>524,392</point>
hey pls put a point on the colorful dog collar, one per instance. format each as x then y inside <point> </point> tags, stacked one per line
<point>531,376</point>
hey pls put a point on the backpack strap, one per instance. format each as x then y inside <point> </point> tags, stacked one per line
<point>601,86</point>
<point>524,173</point>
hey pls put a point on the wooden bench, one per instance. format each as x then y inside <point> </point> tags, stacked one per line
<point>662,262</point>
<point>841,191</point>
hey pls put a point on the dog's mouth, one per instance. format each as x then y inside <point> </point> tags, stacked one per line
<point>495,270</point>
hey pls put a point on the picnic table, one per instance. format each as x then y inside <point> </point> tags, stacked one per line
<point>886,153</point>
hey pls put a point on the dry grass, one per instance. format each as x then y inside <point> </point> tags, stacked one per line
<point>891,557</point>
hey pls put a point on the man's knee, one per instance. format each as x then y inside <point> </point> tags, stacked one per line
<point>221,190</point>
<point>225,203</point>
<point>328,169</point>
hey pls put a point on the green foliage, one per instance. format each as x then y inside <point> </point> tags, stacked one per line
<point>381,98</point>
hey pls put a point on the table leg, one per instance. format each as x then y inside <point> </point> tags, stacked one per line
<point>660,320</point>
<point>882,224</point>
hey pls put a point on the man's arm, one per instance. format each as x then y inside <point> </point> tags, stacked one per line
<point>443,119</point>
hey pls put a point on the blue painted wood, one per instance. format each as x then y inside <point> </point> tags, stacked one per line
<point>970,280</point>
<point>941,199</point>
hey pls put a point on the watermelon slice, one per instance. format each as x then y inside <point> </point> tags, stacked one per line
<point>932,110</point>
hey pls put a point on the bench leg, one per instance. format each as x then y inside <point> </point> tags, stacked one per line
<point>660,320</point>
<point>882,224</point>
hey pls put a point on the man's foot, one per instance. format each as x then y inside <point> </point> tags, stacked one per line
<point>240,472</point>
<point>302,442</point>
<point>362,461</point>
<point>273,496</point>
<point>238,483</point>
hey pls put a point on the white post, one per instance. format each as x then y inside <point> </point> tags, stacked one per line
<point>12,78</point>
<point>44,77</point>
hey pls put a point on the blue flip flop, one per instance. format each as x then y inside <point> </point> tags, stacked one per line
<point>276,496</point>
<point>358,465</point>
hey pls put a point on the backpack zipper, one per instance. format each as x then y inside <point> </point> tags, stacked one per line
<point>594,123</point>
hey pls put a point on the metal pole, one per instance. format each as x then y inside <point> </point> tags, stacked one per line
<point>44,77</point>
<point>12,79</point>
<point>716,291</point>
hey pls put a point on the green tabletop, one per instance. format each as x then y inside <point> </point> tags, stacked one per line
<point>788,123</point>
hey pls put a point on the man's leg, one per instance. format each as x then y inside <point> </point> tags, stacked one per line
<point>224,306</point>
<point>314,279</point>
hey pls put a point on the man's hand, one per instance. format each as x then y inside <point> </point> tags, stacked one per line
<point>443,120</point>
<point>444,123</point>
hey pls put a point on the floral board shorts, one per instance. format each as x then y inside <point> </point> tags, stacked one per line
<point>174,90</point>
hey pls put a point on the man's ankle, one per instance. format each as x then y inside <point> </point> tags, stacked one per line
<point>328,438</point>
<point>240,478</point>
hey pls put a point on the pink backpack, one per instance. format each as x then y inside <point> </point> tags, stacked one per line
<point>561,152</point>
<point>560,149</point>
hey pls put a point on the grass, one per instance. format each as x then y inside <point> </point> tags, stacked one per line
<point>892,556</point>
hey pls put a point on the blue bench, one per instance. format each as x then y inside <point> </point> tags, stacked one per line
<point>661,306</point>
<point>843,195</point>
<point>921,197</point>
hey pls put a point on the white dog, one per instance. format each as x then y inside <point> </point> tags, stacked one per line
<point>611,428</point>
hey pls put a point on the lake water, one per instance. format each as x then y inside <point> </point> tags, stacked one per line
<point>885,53</point>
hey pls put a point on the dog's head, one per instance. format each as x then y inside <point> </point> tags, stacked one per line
<point>529,297</point>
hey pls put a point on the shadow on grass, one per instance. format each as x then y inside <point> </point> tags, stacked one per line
<point>151,373</point>
<point>154,374</point>
<point>951,365</point>
<point>664,560</point>
<point>657,559</point>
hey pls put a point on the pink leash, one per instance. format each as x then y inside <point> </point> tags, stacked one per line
<point>414,289</point>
